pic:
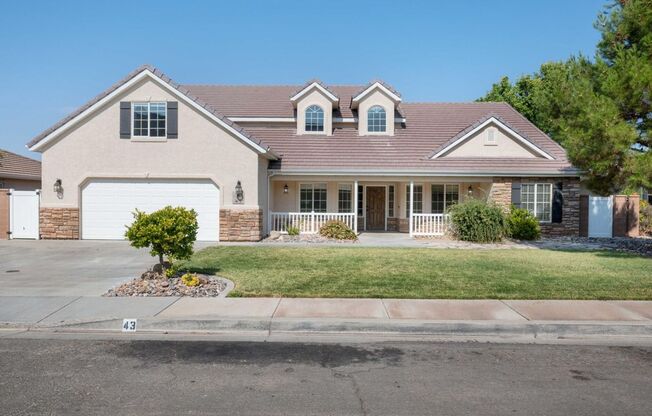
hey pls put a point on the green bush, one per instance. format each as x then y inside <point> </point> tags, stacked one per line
<point>169,232</point>
<point>190,279</point>
<point>478,221</point>
<point>337,230</point>
<point>645,220</point>
<point>292,230</point>
<point>522,225</point>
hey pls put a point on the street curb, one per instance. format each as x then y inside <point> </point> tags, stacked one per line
<point>501,329</point>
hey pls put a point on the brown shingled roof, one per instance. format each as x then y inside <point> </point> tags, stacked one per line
<point>428,127</point>
<point>16,166</point>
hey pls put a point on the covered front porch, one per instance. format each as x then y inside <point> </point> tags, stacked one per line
<point>416,206</point>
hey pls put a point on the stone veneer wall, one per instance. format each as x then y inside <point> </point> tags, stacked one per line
<point>59,223</point>
<point>241,224</point>
<point>501,193</point>
<point>392,224</point>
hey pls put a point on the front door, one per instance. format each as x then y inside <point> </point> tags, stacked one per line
<point>375,207</point>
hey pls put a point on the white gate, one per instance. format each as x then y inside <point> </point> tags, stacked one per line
<point>24,214</point>
<point>601,211</point>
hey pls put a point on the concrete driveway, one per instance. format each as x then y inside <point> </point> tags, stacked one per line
<point>67,268</point>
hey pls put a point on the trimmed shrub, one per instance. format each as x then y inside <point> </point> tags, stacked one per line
<point>645,220</point>
<point>169,232</point>
<point>292,230</point>
<point>522,225</point>
<point>477,221</point>
<point>337,230</point>
<point>190,279</point>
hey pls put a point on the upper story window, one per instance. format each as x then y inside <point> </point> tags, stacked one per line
<point>314,118</point>
<point>376,119</point>
<point>149,119</point>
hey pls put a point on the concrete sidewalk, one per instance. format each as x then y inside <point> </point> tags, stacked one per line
<point>552,318</point>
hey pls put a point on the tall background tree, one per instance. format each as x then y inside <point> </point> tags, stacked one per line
<point>600,110</point>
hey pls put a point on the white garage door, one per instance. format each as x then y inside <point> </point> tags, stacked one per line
<point>107,205</point>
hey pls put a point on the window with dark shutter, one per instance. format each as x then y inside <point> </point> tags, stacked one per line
<point>125,120</point>
<point>173,120</point>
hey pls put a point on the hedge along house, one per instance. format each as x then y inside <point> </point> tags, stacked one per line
<point>256,159</point>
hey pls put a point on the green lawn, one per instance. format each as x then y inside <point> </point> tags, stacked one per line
<point>428,273</point>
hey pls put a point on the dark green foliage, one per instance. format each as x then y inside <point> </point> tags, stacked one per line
<point>600,111</point>
<point>292,230</point>
<point>645,220</point>
<point>169,232</point>
<point>337,230</point>
<point>522,225</point>
<point>477,221</point>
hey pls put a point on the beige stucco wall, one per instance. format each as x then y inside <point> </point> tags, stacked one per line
<point>315,98</point>
<point>203,150</point>
<point>19,184</point>
<point>480,191</point>
<point>505,146</point>
<point>377,97</point>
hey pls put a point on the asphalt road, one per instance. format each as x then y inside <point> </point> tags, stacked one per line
<point>91,377</point>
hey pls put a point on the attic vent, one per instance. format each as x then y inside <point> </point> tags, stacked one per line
<point>491,138</point>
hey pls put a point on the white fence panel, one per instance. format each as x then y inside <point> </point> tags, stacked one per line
<point>429,224</point>
<point>24,214</point>
<point>601,211</point>
<point>307,222</point>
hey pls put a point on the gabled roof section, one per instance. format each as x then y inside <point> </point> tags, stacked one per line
<point>480,124</point>
<point>374,85</point>
<point>318,85</point>
<point>16,166</point>
<point>154,74</point>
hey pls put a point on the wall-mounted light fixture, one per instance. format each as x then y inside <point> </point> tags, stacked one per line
<point>470,191</point>
<point>239,193</point>
<point>286,189</point>
<point>57,186</point>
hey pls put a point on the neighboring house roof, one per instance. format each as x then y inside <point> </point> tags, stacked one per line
<point>16,166</point>
<point>154,72</point>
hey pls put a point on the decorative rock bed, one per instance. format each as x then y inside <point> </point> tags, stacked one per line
<point>303,238</point>
<point>154,285</point>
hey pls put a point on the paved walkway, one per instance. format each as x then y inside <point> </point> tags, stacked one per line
<point>57,310</point>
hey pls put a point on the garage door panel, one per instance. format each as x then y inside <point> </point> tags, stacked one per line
<point>107,205</point>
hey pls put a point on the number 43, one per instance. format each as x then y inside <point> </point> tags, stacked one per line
<point>128,325</point>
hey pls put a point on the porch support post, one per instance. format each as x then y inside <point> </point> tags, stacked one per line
<point>411,220</point>
<point>355,206</point>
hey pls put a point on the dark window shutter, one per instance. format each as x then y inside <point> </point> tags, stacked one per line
<point>173,120</point>
<point>516,194</point>
<point>557,202</point>
<point>125,120</point>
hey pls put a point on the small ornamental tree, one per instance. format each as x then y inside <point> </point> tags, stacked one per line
<point>169,232</point>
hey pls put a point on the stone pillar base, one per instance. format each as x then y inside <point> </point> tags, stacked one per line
<point>59,223</point>
<point>241,224</point>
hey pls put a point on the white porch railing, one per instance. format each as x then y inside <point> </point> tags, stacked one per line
<point>429,224</point>
<point>308,222</point>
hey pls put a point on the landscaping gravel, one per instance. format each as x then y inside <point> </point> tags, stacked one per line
<point>211,286</point>
<point>303,238</point>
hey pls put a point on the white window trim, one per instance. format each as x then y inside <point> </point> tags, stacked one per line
<point>305,119</point>
<point>536,185</point>
<point>378,133</point>
<point>339,187</point>
<point>445,185</point>
<point>133,121</point>
<point>407,198</point>
<point>312,186</point>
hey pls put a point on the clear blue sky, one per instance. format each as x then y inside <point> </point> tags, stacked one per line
<point>56,55</point>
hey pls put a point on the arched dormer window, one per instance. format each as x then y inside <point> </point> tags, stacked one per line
<point>314,118</point>
<point>376,119</point>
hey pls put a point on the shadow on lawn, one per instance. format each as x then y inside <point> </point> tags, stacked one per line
<point>602,252</point>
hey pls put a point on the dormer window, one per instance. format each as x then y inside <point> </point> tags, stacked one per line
<point>314,118</point>
<point>376,119</point>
